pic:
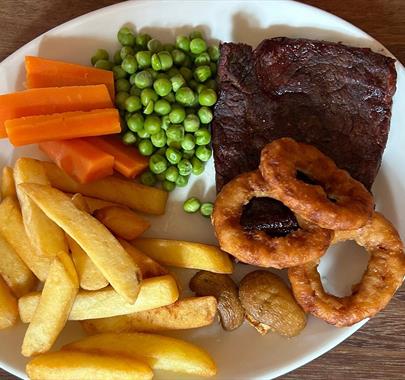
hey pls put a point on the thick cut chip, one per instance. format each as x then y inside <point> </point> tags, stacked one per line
<point>8,307</point>
<point>100,245</point>
<point>7,183</point>
<point>53,308</point>
<point>160,352</point>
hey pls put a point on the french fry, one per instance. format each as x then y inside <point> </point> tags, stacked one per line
<point>53,308</point>
<point>185,254</point>
<point>7,183</point>
<point>8,307</point>
<point>12,229</point>
<point>160,352</point>
<point>100,245</point>
<point>15,273</point>
<point>187,313</point>
<point>122,222</point>
<point>89,276</point>
<point>95,204</point>
<point>155,292</point>
<point>113,189</point>
<point>45,236</point>
<point>148,266</point>
<point>85,366</point>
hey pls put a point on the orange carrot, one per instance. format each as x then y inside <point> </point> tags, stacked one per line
<point>43,72</point>
<point>62,126</point>
<point>42,101</point>
<point>128,161</point>
<point>79,159</point>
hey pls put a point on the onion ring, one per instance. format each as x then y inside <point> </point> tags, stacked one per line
<point>309,242</point>
<point>384,275</point>
<point>279,163</point>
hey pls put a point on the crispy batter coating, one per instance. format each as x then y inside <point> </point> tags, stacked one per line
<point>384,275</point>
<point>339,202</point>
<point>306,244</point>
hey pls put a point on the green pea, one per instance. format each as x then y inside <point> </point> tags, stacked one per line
<point>127,115</point>
<point>144,59</point>
<point>162,86</point>
<point>148,178</point>
<point>143,134</point>
<point>152,124</point>
<point>161,151</point>
<point>133,103</point>
<point>126,36</point>
<point>104,64</point>
<point>129,64</point>
<point>206,209</point>
<point>145,147</point>
<point>117,57</point>
<point>154,45</point>
<point>143,79</point>
<point>191,123</point>
<point>165,122</point>
<point>168,186</point>
<point>129,138</point>
<point>185,167</point>
<point>162,107</point>
<point>177,114</point>
<point>158,139</point>
<point>147,95</point>
<point>189,154</point>
<point>178,57</point>
<point>202,59</point>
<point>100,54</point>
<point>200,87</point>
<point>172,72</point>
<point>161,75</point>
<point>175,132</point>
<point>198,45</point>
<point>142,40</point>
<point>157,163</point>
<point>182,180</point>
<point>191,205</point>
<point>213,67</point>
<point>183,43</point>
<point>212,84</point>
<point>205,115</point>
<point>202,73</point>
<point>170,97</point>
<point>188,142</point>
<point>196,34</point>
<point>148,110</point>
<point>173,155</point>
<point>135,122</point>
<point>202,136</point>
<point>203,153</point>
<point>172,173</point>
<point>198,166</point>
<point>165,60</point>
<point>188,62</point>
<point>185,96</point>
<point>125,51</point>
<point>168,47</point>
<point>120,99</point>
<point>177,82</point>
<point>193,84</point>
<point>152,72</point>
<point>135,91</point>
<point>207,97</point>
<point>119,72</point>
<point>186,73</point>
<point>213,52</point>
<point>122,85</point>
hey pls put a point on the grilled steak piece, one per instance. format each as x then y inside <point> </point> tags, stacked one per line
<point>335,97</point>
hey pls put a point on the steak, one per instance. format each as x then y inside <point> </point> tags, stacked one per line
<point>335,97</point>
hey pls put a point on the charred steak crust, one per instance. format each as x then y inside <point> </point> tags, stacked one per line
<point>333,96</point>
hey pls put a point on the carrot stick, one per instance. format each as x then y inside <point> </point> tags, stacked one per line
<point>128,161</point>
<point>62,126</point>
<point>43,72</point>
<point>42,101</point>
<point>79,159</point>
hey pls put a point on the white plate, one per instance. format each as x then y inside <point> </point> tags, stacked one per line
<point>241,354</point>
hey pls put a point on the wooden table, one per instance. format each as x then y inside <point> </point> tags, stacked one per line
<point>377,351</point>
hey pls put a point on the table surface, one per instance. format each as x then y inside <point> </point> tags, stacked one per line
<point>377,351</point>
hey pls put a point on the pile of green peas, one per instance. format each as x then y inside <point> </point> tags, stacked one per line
<point>193,204</point>
<point>165,94</point>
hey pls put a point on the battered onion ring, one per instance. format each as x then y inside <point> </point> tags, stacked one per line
<point>279,163</point>
<point>384,275</point>
<point>308,243</point>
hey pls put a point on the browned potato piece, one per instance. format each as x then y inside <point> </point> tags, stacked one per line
<point>225,291</point>
<point>122,222</point>
<point>7,183</point>
<point>268,301</point>
<point>8,306</point>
